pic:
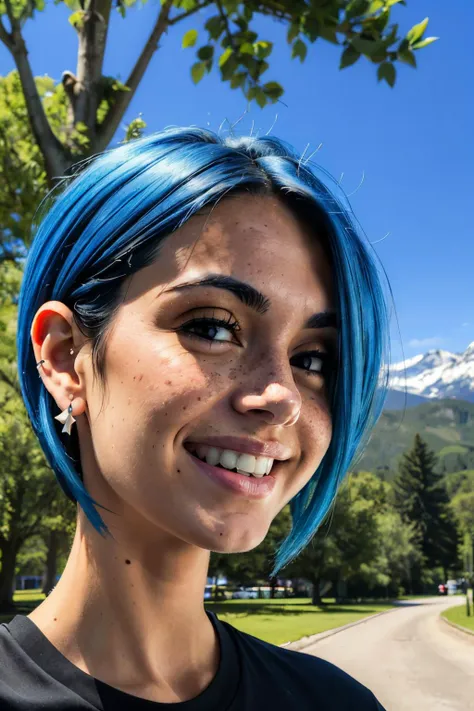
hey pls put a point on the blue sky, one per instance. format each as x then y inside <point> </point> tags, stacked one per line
<point>405,154</point>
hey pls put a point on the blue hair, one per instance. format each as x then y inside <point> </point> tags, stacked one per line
<point>107,221</point>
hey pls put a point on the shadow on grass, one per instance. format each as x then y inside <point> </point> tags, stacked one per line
<point>305,608</point>
<point>19,607</point>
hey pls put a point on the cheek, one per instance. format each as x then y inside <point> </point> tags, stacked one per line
<point>146,402</point>
<point>315,434</point>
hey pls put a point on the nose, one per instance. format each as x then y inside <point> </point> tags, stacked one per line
<point>273,398</point>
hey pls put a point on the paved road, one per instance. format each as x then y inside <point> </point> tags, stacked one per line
<point>409,658</point>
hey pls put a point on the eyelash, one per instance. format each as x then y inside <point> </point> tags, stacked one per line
<point>231,325</point>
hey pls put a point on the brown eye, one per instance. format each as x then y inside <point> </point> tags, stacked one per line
<point>211,329</point>
<point>314,362</point>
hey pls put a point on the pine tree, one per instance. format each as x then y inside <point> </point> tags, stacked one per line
<point>422,500</point>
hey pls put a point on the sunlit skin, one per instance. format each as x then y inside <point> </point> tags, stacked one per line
<point>129,609</point>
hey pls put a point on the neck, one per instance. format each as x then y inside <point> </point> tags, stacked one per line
<point>129,611</point>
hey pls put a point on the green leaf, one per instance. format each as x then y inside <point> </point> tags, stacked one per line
<point>77,19</point>
<point>329,33</point>
<point>225,56</point>
<point>246,48</point>
<point>261,98</point>
<point>273,90</point>
<point>375,5</point>
<point>381,22</point>
<point>238,80</point>
<point>366,46</point>
<point>263,49</point>
<point>189,39</point>
<point>293,32</point>
<point>230,67</point>
<point>206,52</point>
<point>299,50</point>
<point>214,26</point>
<point>255,92</point>
<point>407,56</point>
<point>357,8</point>
<point>349,57</point>
<point>197,71</point>
<point>387,71</point>
<point>118,86</point>
<point>417,31</point>
<point>424,43</point>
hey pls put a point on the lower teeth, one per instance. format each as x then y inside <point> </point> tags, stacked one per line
<point>236,471</point>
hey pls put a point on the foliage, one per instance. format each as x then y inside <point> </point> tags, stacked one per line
<point>423,501</point>
<point>363,542</point>
<point>448,429</point>
<point>79,116</point>
<point>31,502</point>
<point>253,566</point>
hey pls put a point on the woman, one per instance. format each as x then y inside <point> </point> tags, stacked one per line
<point>212,329</point>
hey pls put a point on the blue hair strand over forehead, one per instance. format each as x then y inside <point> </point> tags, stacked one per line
<point>107,220</point>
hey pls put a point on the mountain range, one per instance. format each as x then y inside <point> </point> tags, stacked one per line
<point>438,374</point>
<point>433,395</point>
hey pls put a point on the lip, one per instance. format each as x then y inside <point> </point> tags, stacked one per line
<point>248,487</point>
<point>246,445</point>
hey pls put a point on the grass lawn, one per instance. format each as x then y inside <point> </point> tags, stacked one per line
<point>26,601</point>
<point>459,617</point>
<point>277,621</point>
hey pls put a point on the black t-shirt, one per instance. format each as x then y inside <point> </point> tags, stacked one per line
<point>252,675</point>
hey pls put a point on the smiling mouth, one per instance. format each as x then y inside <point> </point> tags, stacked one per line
<point>232,461</point>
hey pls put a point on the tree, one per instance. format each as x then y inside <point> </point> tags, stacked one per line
<point>27,490</point>
<point>254,565</point>
<point>31,503</point>
<point>92,105</point>
<point>348,543</point>
<point>423,501</point>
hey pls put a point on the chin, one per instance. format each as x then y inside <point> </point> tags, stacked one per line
<point>236,539</point>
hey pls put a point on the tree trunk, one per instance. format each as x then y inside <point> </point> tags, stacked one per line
<point>7,575</point>
<point>316,595</point>
<point>51,562</point>
<point>273,583</point>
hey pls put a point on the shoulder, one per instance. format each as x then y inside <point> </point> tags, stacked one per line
<point>310,677</point>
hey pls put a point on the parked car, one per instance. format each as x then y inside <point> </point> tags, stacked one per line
<point>442,589</point>
<point>244,594</point>
<point>208,592</point>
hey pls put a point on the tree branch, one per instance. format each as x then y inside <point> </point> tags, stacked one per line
<point>111,122</point>
<point>184,15</point>
<point>5,36</point>
<point>90,60</point>
<point>11,382</point>
<point>51,148</point>
<point>225,20</point>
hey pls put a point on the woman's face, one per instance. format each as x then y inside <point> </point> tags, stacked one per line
<point>194,370</point>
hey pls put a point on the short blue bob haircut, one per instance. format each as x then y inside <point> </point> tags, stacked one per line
<point>107,221</point>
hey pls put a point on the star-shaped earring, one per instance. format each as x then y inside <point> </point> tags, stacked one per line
<point>66,419</point>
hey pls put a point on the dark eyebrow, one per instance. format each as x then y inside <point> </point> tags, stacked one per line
<point>254,299</point>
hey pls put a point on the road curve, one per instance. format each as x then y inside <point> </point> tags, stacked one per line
<point>409,658</point>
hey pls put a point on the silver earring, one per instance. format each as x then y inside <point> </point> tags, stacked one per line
<point>40,362</point>
<point>66,419</point>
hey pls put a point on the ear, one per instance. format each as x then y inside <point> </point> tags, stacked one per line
<point>52,340</point>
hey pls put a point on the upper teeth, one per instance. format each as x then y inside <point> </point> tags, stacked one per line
<point>229,459</point>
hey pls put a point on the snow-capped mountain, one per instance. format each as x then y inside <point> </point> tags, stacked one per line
<point>437,374</point>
